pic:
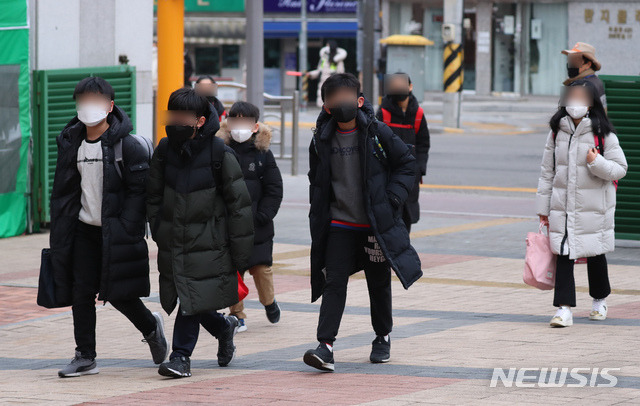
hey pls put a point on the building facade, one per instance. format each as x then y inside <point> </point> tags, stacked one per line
<point>514,46</point>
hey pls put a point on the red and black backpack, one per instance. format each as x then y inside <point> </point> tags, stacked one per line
<point>386,118</point>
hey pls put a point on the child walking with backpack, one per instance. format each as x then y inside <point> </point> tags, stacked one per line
<point>576,197</point>
<point>401,111</point>
<point>199,211</point>
<point>250,140</point>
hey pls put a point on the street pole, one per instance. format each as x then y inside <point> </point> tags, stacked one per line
<point>170,57</point>
<point>453,69</point>
<point>367,11</point>
<point>255,53</point>
<point>303,81</point>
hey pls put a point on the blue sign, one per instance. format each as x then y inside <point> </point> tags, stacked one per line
<point>313,6</point>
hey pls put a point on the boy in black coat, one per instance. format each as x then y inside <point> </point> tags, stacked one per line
<point>250,140</point>
<point>402,113</point>
<point>98,223</point>
<point>360,175</point>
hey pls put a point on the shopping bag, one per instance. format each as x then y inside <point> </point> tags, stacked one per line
<point>243,290</point>
<point>539,262</point>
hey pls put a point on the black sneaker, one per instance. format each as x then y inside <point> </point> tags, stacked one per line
<point>157,341</point>
<point>380,350</point>
<point>79,366</point>
<point>178,367</point>
<point>320,358</point>
<point>273,312</point>
<point>226,349</point>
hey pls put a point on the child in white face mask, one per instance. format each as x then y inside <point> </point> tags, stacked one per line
<point>250,140</point>
<point>576,197</point>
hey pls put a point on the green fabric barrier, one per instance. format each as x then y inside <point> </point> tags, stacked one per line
<point>15,123</point>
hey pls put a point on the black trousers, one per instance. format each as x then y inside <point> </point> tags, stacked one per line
<point>349,251</point>
<point>187,328</point>
<point>87,271</point>
<point>565,288</point>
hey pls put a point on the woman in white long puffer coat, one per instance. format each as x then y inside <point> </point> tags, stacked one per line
<point>576,197</point>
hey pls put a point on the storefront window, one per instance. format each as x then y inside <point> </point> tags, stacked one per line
<point>207,60</point>
<point>548,36</point>
<point>231,56</point>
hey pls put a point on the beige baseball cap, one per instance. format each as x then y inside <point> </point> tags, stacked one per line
<point>588,51</point>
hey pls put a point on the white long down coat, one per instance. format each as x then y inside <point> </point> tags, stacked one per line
<point>579,198</point>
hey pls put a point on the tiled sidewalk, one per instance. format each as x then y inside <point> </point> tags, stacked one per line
<point>468,315</point>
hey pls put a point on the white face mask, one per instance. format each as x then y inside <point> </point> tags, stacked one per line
<point>241,134</point>
<point>91,114</point>
<point>577,110</point>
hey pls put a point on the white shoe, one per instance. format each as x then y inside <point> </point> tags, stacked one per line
<point>598,310</point>
<point>241,326</point>
<point>562,318</point>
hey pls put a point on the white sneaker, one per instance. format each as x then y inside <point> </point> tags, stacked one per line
<point>241,326</point>
<point>598,310</point>
<point>563,317</point>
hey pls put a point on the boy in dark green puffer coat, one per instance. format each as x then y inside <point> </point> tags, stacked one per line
<point>200,215</point>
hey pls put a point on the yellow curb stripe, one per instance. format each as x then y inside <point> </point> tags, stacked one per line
<point>303,124</point>
<point>488,188</point>
<point>465,227</point>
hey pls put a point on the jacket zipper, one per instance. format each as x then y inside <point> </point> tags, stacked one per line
<point>566,202</point>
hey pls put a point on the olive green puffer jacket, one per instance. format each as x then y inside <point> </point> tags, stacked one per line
<point>204,231</point>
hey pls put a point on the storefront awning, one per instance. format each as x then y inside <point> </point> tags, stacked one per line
<point>228,31</point>
<point>315,29</point>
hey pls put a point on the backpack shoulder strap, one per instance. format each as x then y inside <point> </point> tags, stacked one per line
<point>217,156</point>
<point>418,121</point>
<point>117,151</point>
<point>386,116</point>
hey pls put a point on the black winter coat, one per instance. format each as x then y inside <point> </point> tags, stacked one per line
<point>418,143</point>
<point>388,171</point>
<point>201,220</point>
<point>263,179</point>
<point>125,259</point>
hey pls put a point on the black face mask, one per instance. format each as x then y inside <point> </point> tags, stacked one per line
<point>344,112</point>
<point>211,98</point>
<point>572,71</point>
<point>178,134</point>
<point>398,97</point>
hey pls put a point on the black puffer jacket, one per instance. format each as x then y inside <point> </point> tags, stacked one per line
<point>125,259</point>
<point>418,143</point>
<point>263,179</point>
<point>388,170</point>
<point>204,229</point>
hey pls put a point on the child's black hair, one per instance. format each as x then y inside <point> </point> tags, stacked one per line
<point>404,74</point>
<point>94,84</point>
<point>244,109</point>
<point>600,124</point>
<point>203,77</point>
<point>186,99</point>
<point>339,81</point>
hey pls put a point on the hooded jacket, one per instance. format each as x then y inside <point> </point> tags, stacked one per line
<point>125,259</point>
<point>204,230</point>
<point>264,182</point>
<point>419,143</point>
<point>388,170</point>
<point>579,198</point>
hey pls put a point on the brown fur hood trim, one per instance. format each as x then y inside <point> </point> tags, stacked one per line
<point>261,139</point>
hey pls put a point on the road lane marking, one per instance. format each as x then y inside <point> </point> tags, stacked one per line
<point>465,227</point>
<point>489,188</point>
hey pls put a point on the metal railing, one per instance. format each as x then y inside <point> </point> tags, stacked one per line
<point>276,107</point>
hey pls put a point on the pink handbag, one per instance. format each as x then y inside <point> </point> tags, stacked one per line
<point>539,261</point>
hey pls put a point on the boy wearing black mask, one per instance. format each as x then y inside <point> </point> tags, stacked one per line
<point>402,113</point>
<point>199,211</point>
<point>208,87</point>
<point>360,175</point>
